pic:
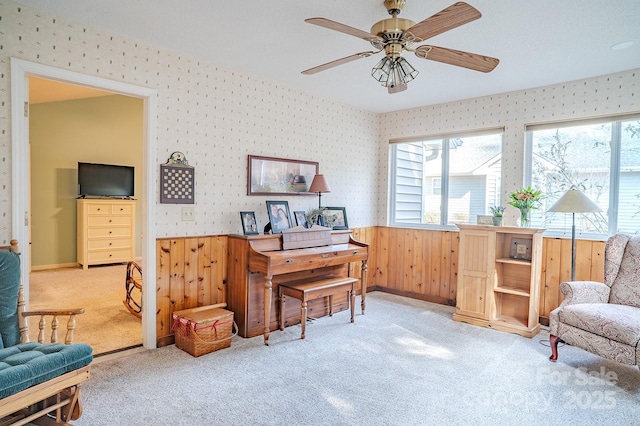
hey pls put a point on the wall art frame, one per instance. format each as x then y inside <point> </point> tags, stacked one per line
<point>177,180</point>
<point>279,176</point>
<point>335,217</point>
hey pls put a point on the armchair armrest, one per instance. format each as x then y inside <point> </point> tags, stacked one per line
<point>584,292</point>
<point>576,292</point>
<point>42,324</point>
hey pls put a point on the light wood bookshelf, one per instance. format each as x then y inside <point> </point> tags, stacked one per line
<point>499,270</point>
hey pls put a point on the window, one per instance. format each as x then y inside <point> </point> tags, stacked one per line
<point>445,180</point>
<point>436,186</point>
<point>600,158</point>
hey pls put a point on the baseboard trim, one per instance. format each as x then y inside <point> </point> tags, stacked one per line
<point>423,297</point>
<point>118,353</point>
<point>54,266</point>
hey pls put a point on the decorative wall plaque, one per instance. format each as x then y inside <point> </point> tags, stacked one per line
<point>177,180</point>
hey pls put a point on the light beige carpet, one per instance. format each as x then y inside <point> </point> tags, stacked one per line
<point>405,362</point>
<point>106,324</point>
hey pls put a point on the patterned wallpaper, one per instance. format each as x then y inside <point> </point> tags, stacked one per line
<point>215,116</point>
<point>606,95</point>
<point>218,116</point>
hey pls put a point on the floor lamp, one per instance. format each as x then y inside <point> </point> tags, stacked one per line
<point>574,201</point>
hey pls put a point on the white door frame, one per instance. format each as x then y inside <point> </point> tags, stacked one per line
<point>20,72</point>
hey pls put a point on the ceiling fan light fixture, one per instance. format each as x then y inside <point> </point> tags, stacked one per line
<point>395,36</point>
<point>392,72</point>
<point>408,71</point>
<point>382,69</point>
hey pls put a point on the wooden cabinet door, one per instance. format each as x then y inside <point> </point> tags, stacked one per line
<point>475,266</point>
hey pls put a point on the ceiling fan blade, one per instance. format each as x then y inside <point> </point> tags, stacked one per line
<point>338,62</point>
<point>458,58</point>
<point>447,19</point>
<point>336,26</point>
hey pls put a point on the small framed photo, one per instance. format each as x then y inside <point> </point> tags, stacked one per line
<point>279,216</point>
<point>520,249</point>
<point>335,217</point>
<point>484,219</point>
<point>301,218</point>
<point>249,223</point>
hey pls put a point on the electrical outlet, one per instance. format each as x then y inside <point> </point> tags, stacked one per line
<point>188,213</point>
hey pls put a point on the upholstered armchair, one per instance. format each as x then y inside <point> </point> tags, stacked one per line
<point>603,318</point>
<point>39,382</point>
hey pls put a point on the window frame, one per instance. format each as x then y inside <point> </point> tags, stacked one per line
<point>615,163</point>
<point>444,138</point>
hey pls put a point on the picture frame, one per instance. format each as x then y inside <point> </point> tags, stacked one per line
<point>249,223</point>
<point>520,248</point>
<point>301,218</point>
<point>335,217</point>
<point>279,176</point>
<point>279,216</point>
<point>484,219</point>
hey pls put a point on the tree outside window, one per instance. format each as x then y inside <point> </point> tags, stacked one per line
<point>602,160</point>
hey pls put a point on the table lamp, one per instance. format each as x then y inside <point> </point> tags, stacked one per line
<point>319,185</point>
<point>574,201</point>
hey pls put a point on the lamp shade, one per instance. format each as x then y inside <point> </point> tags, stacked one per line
<point>574,201</point>
<point>319,184</point>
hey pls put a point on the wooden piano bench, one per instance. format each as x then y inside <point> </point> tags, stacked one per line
<point>316,289</point>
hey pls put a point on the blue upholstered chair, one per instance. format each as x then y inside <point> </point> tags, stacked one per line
<point>36,379</point>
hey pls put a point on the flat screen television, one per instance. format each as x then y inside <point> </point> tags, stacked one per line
<point>105,180</point>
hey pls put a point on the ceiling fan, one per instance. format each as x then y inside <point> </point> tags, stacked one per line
<point>395,35</point>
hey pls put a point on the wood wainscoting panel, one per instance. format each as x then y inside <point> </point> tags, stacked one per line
<point>556,268</point>
<point>190,272</point>
<point>417,263</point>
<point>367,235</point>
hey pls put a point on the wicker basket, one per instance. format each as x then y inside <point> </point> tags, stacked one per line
<point>199,331</point>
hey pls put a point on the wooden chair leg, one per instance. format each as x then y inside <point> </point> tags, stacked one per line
<point>352,295</point>
<point>553,342</point>
<point>281,313</point>
<point>303,317</point>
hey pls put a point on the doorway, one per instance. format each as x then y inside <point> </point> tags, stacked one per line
<point>21,71</point>
<point>68,125</point>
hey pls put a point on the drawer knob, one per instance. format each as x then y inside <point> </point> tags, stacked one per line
<point>288,261</point>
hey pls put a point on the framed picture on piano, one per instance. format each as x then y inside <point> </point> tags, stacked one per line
<point>335,217</point>
<point>279,216</point>
<point>249,223</point>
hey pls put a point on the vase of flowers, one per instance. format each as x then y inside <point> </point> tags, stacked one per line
<point>497,212</point>
<point>525,200</point>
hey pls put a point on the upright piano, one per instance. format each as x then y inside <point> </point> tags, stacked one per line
<point>257,264</point>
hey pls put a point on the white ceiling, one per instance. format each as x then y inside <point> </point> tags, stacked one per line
<point>538,42</point>
<point>41,91</point>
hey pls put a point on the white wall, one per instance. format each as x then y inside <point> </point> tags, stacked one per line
<point>606,95</point>
<point>214,115</point>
